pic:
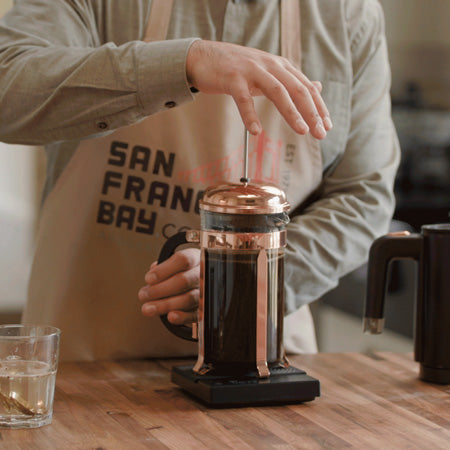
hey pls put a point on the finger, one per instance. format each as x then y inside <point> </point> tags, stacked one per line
<point>178,262</point>
<point>244,102</point>
<point>307,107</point>
<point>187,301</point>
<point>306,98</point>
<point>178,283</point>
<point>321,106</point>
<point>182,317</point>
<point>276,92</point>
<point>318,85</point>
<point>315,90</point>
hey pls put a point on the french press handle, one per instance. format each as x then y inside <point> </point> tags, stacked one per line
<point>168,249</point>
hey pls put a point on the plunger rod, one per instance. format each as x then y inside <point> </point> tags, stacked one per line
<point>245,178</point>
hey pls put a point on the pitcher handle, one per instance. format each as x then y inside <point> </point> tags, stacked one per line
<point>168,249</point>
<point>382,251</point>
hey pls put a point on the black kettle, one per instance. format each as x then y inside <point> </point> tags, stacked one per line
<point>431,249</point>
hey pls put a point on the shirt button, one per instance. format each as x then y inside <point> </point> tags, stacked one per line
<point>102,125</point>
<point>170,104</point>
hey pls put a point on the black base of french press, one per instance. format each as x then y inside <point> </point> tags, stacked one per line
<point>434,374</point>
<point>284,386</point>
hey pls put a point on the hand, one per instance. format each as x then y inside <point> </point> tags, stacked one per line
<point>173,287</point>
<point>242,72</point>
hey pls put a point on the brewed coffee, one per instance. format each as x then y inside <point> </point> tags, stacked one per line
<point>230,309</point>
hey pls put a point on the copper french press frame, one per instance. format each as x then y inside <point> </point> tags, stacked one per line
<point>239,241</point>
<point>255,200</point>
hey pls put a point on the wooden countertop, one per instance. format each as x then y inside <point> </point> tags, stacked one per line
<point>366,402</point>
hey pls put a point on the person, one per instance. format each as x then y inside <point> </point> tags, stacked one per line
<point>142,104</point>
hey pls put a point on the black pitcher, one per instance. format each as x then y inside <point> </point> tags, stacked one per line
<point>431,249</point>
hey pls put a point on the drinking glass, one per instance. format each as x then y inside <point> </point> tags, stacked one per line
<point>28,365</point>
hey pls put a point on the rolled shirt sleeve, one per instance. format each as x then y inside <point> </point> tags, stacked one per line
<point>60,82</point>
<point>355,201</point>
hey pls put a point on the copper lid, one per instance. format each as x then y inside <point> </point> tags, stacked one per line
<point>244,198</point>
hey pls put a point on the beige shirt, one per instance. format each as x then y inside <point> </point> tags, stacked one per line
<point>70,70</point>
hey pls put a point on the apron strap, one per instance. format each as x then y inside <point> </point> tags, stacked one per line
<point>291,42</point>
<point>158,22</point>
<point>291,47</point>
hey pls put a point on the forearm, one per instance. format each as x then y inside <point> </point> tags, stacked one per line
<point>332,237</point>
<point>55,87</point>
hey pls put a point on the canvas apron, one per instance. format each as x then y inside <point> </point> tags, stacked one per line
<point>121,195</point>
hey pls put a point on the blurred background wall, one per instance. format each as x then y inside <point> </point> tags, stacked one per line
<point>418,33</point>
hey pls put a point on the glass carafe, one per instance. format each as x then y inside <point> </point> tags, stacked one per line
<point>242,239</point>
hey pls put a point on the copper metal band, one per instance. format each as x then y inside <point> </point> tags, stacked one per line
<point>239,241</point>
<point>242,241</point>
<point>200,316</point>
<point>261,316</point>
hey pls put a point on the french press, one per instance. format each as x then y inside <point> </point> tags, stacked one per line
<point>241,358</point>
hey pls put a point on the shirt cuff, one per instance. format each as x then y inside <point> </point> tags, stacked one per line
<point>161,75</point>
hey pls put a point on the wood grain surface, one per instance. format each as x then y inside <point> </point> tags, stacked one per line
<point>367,401</point>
